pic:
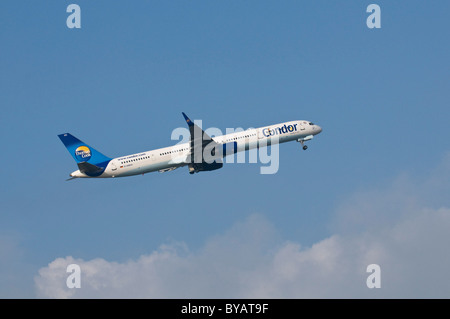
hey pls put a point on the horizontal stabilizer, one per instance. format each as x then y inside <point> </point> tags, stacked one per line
<point>90,169</point>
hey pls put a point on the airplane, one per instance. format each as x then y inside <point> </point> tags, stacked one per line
<point>201,153</point>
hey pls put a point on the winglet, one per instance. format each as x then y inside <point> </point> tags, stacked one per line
<point>188,120</point>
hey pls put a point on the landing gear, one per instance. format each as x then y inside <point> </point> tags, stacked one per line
<point>303,140</point>
<point>305,147</point>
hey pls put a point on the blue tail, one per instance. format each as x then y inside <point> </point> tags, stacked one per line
<point>83,153</point>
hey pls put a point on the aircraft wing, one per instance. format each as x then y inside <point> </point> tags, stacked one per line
<point>199,141</point>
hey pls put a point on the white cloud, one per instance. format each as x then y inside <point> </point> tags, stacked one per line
<point>396,227</point>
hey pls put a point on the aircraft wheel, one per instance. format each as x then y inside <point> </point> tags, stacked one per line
<point>305,147</point>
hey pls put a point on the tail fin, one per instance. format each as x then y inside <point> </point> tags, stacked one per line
<point>83,153</point>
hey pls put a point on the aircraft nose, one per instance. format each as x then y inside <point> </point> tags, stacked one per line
<point>318,129</point>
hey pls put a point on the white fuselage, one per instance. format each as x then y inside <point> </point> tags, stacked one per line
<point>168,158</point>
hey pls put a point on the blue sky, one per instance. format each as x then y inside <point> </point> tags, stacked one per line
<point>121,82</point>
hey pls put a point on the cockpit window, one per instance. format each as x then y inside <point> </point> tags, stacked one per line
<point>311,123</point>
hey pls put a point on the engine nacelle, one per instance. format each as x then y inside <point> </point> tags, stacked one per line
<point>210,167</point>
<point>195,168</point>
